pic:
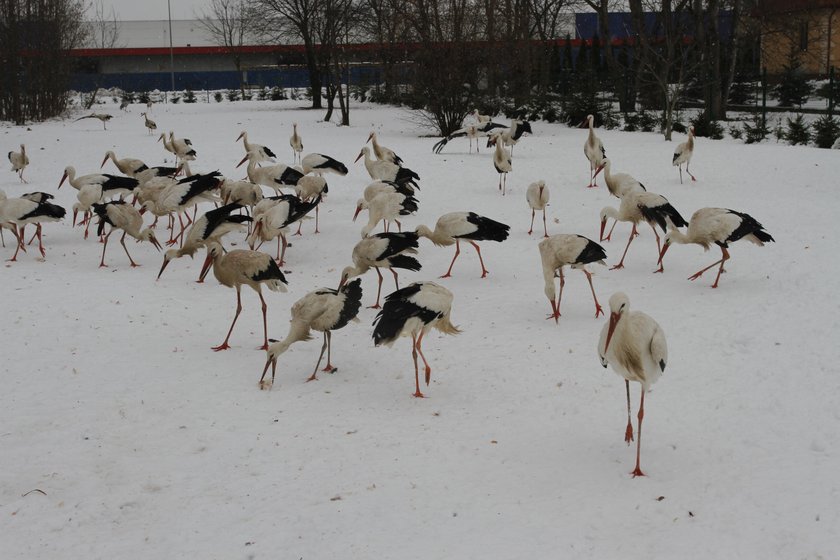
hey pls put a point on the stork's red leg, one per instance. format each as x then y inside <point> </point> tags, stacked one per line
<point>699,273</point>
<point>693,178</point>
<point>396,278</point>
<point>628,433</point>
<point>484,271</point>
<point>300,225</point>
<point>317,210</point>
<point>314,376</point>
<point>457,252</point>
<point>417,392</point>
<point>545,227</point>
<point>629,241</point>
<point>283,252</point>
<point>531,230</point>
<point>638,470</point>
<point>44,253</point>
<point>19,244</point>
<point>378,289</point>
<point>224,345</point>
<point>329,368</point>
<point>428,371</point>
<point>122,242</point>
<point>265,322</point>
<point>598,309</point>
<point>105,246</point>
<point>722,262</point>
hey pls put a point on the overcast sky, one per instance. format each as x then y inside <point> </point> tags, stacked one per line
<point>153,9</point>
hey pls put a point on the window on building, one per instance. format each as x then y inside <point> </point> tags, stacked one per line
<point>803,36</point>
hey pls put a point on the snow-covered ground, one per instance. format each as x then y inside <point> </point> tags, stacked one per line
<point>122,435</point>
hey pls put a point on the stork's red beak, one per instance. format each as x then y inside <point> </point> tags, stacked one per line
<point>240,136</point>
<point>205,267</point>
<point>103,162</point>
<point>243,161</point>
<point>63,178</point>
<point>600,168</point>
<point>603,227</point>
<point>356,214</point>
<point>369,137</point>
<point>153,240</point>
<point>614,317</point>
<point>359,157</point>
<point>162,267</point>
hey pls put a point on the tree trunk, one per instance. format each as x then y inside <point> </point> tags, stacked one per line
<point>314,73</point>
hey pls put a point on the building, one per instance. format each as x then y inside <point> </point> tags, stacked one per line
<point>804,32</point>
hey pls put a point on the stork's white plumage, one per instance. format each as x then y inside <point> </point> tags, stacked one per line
<point>211,226</point>
<point>272,176</point>
<point>320,164</point>
<point>537,196</point>
<point>120,215</point>
<point>413,311</point>
<point>273,216</point>
<point>127,166</point>
<point>634,345</point>
<point>241,267</point>
<point>479,118</point>
<point>22,211</point>
<point>575,251</point>
<point>183,147</point>
<point>296,142</point>
<point>382,170</point>
<point>245,193</point>
<point>454,226</point>
<point>383,250</point>
<point>150,124</point>
<point>642,206</point>
<point>19,161</point>
<point>618,183</point>
<point>258,151</point>
<point>501,161</point>
<point>381,152</point>
<point>683,153</point>
<point>322,310</point>
<point>720,226</point>
<point>310,187</point>
<point>594,151</point>
<point>102,117</point>
<point>387,207</point>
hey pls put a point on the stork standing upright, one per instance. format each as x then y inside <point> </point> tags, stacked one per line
<point>183,147</point>
<point>308,188</point>
<point>537,196</point>
<point>19,161</point>
<point>22,211</point>
<point>385,207</point>
<point>683,153</point>
<point>501,161</point>
<point>241,267</point>
<point>258,151</point>
<point>720,226</point>
<point>383,250</point>
<point>381,152</point>
<point>634,345</point>
<point>296,142</point>
<point>211,226</point>
<point>323,310</point>
<point>575,251</point>
<point>150,124</point>
<point>594,151</point>
<point>383,170</point>
<point>642,206</point>
<point>413,311</point>
<point>454,226</point>
<point>120,215</point>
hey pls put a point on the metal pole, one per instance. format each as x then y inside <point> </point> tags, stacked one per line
<point>764,96</point>
<point>171,54</point>
<point>831,91</point>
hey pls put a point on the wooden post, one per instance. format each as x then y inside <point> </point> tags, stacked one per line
<point>764,96</point>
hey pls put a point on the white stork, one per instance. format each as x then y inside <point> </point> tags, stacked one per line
<point>642,206</point>
<point>454,226</point>
<point>102,117</point>
<point>594,151</point>
<point>320,164</point>
<point>150,124</point>
<point>683,153</point>
<point>272,176</point>
<point>296,142</point>
<point>385,207</point>
<point>501,161</point>
<point>260,152</point>
<point>382,170</point>
<point>537,196</point>
<point>127,166</point>
<point>482,129</point>
<point>120,215</point>
<point>381,152</point>
<point>272,218</point>
<point>183,147</point>
<point>21,211</point>
<point>575,251</point>
<point>634,345</point>
<point>323,310</point>
<point>19,161</point>
<point>413,311</point>
<point>310,187</point>
<point>242,267</point>
<point>720,226</point>
<point>383,250</point>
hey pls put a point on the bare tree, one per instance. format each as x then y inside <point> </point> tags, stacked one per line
<point>228,22</point>
<point>104,30</point>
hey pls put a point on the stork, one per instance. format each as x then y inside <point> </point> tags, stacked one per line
<point>382,170</point>
<point>502,162</point>
<point>260,152</point>
<point>150,124</point>
<point>618,184</point>
<point>383,250</point>
<point>102,117</point>
<point>537,196</point>
<point>183,147</point>
<point>19,161</point>
<point>127,166</point>
<point>273,216</point>
<point>387,207</point>
<point>594,151</point>
<point>381,152</point>
<point>575,251</point>
<point>720,226</point>
<point>322,310</point>
<point>120,215</point>
<point>451,228</point>
<point>308,188</point>
<point>511,135</point>
<point>21,211</point>
<point>482,129</point>
<point>180,195</point>
<point>320,164</point>
<point>272,176</point>
<point>211,226</point>
<point>296,142</point>
<point>167,145</point>
<point>683,153</point>
<point>242,267</point>
<point>413,311</point>
<point>642,206</point>
<point>634,345</point>
<point>479,118</point>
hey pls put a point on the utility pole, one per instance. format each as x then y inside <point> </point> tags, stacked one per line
<point>171,54</point>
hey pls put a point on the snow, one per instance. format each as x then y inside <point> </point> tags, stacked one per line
<point>146,444</point>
